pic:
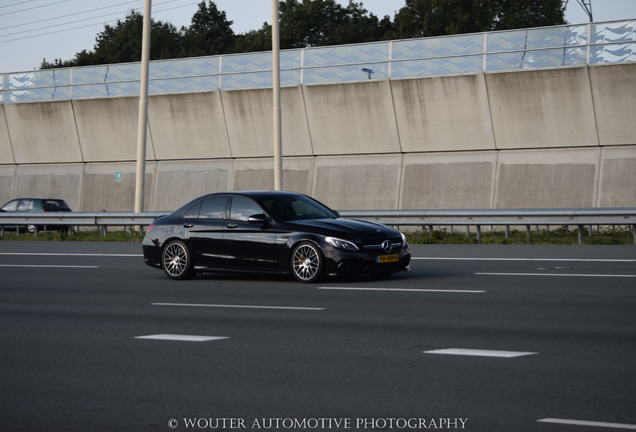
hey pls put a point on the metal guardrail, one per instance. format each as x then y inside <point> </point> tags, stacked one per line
<point>579,218</point>
<point>96,219</point>
<point>503,217</point>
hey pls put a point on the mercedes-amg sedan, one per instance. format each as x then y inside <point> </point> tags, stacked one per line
<point>270,232</point>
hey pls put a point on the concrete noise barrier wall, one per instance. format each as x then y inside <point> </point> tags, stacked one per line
<point>562,137</point>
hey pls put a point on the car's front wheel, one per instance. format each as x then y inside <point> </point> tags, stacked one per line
<point>177,261</point>
<point>307,262</point>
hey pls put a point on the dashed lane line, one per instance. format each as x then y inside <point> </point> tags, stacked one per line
<point>70,254</point>
<point>182,338</point>
<point>479,352</point>
<point>619,260</point>
<point>404,290</point>
<point>49,266</point>
<point>238,306</point>
<point>588,423</point>
<point>558,275</point>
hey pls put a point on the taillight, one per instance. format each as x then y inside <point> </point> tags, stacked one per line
<point>149,228</point>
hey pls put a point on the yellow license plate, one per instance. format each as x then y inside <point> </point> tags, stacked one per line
<point>388,258</point>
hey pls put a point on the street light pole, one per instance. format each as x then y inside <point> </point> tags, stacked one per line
<point>143,111</point>
<point>278,140</point>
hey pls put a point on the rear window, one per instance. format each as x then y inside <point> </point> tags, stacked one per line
<point>210,208</point>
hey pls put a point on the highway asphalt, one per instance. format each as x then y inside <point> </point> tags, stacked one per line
<point>475,338</point>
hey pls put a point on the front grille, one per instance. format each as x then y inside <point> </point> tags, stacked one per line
<point>376,245</point>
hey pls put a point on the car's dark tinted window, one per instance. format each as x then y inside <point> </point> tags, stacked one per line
<point>213,208</point>
<point>54,205</point>
<point>294,208</point>
<point>243,208</point>
<point>193,212</point>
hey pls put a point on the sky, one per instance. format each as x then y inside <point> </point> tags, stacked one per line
<point>33,30</point>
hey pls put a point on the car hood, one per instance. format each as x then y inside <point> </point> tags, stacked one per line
<point>352,229</point>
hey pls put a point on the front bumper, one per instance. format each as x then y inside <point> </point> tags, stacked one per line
<point>344,262</point>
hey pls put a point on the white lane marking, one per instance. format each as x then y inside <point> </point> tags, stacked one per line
<point>69,254</point>
<point>185,338</point>
<point>524,259</point>
<point>237,306</point>
<point>479,352</point>
<point>559,274</point>
<point>402,289</point>
<point>48,266</point>
<point>588,423</point>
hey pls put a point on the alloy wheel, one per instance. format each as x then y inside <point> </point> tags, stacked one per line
<point>307,263</point>
<point>176,260</point>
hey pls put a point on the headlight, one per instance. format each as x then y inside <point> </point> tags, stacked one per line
<point>341,244</point>
<point>403,239</point>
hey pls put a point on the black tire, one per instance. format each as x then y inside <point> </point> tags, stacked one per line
<point>307,263</point>
<point>176,261</point>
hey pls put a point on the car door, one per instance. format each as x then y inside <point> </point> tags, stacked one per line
<point>252,245</point>
<point>203,230</point>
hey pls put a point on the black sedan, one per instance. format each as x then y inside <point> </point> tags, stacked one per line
<point>270,232</point>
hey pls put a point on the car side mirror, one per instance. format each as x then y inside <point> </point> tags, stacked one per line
<point>258,219</point>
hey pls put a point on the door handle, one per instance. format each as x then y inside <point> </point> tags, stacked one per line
<point>188,225</point>
<point>232,226</point>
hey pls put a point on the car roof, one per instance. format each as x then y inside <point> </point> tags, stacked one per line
<point>40,199</point>
<point>257,193</point>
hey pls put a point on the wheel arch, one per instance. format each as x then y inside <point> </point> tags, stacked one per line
<point>182,265</point>
<point>307,267</point>
<point>165,242</point>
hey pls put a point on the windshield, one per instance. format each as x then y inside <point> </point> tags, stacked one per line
<point>289,208</point>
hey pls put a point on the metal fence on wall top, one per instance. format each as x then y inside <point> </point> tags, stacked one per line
<point>511,50</point>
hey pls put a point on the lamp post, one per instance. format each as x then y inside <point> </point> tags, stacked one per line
<point>278,141</point>
<point>143,111</point>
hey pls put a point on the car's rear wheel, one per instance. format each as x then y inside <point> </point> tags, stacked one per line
<point>307,262</point>
<point>177,261</point>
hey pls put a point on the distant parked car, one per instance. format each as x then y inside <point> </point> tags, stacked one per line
<point>270,232</point>
<point>37,205</point>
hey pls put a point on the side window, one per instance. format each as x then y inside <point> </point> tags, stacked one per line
<point>213,208</point>
<point>25,205</point>
<point>303,208</point>
<point>193,212</point>
<point>11,206</point>
<point>54,205</point>
<point>243,208</point>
